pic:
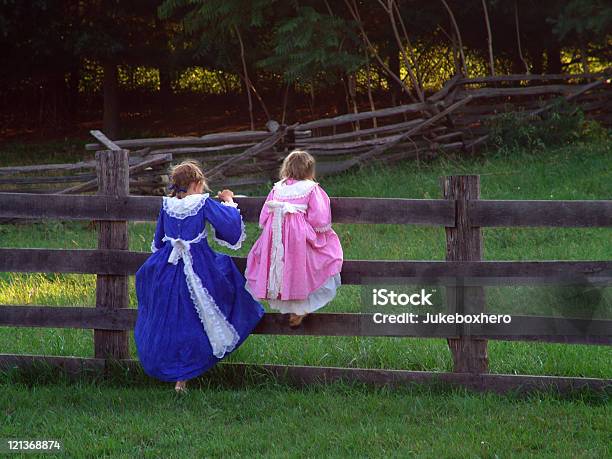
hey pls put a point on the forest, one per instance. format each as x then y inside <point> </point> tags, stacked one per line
<point>178,62</point>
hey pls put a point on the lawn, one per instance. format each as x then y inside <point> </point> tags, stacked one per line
<point>137,417</point>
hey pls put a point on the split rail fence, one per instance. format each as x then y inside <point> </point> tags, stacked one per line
<point>461,212</point>
<point>456,118</point>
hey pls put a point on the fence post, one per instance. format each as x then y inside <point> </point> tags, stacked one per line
<point>290,139</point>
<point>112,169</point>
<point>464,243</point>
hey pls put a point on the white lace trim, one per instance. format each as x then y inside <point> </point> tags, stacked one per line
<point>275,275</point>
<point>296,190</point>
<point>185,207</point>
<point>316,299</point>
<point>153,248</point>
<point>230,204</point>
<point>241,239</point>
<point>222,335</point>
<point>322,229</point>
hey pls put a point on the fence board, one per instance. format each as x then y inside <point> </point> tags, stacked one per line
<point>122,262</point>
<point>345,210</point>
<point>348,118</point>
<point>519,92</point>
<point>301,375</point>
<point>210,139</point>
<point>523,77</point>
<point>541,213</point>
<point>522,328</point>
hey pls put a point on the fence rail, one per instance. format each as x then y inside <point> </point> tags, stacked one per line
<point>462,213</point>
<point>523,328</point>
<point>456,118</point>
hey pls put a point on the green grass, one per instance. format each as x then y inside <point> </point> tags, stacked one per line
<point>143,418</point>
<point>98,420</point>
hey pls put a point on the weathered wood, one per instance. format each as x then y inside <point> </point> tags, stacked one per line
<point>150,161</point>
<point>209,139</point>
<point>46,179</point>
<point>446,89</point>
<point>525,77</point>
<point>123,262</point>
<point>567,90</point>
<point>68,317</point>
<point>353,144</point>
<point>377,150</point>
<point>300,375</point>
<point>390,128</point>
<point>256,149</point>
<point>522,328</point>
<point>464,243</point>
<point>67,167</point>
<point>349,118</point>
<point>541,213</point>
<point>112,290</point>
<point>579,91</point>
<point>345,210</point>
<point>195,150</point>
<point>9,170</point>
<point>105,141</point>
<point>79,207</point>
<point>499,383</point>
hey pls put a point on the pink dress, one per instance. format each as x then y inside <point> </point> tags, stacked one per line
<point>296,262</point>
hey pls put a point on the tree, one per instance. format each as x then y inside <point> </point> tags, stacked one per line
<point>587,25</point>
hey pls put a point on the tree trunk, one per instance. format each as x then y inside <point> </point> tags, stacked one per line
<point>584,56</point>
<point>521,58</point>
<point>73,94</point>
<point>247,85</point>
<point>553,59</point>
<point>489,37</point>
<point>537,59</point>
<point>394,65</point>
<point>391,8</point>
<point>458,34</point>
<point>111,101</point>
<point>165,87</point>
<point>369,83</point>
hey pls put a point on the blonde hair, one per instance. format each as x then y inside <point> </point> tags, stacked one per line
<point>184,174</point>
<point>298,165</point>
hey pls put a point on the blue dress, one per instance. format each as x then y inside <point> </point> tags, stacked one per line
<point>193,308</point>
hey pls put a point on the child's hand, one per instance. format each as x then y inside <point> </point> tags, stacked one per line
<point>226,195</point>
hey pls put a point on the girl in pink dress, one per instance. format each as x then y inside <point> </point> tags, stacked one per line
<point>295,264</point>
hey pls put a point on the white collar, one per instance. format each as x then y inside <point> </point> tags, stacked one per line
<point>185,207</point>
<point>299,189</point>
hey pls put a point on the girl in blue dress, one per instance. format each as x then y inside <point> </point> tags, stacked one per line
<point>193,308</point>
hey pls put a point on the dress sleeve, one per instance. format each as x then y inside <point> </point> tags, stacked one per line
<point>319,210</point>
<point>226,223</point>
<point>157,242</point>
<point>265,211</point>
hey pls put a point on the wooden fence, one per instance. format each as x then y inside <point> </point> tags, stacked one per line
<point>461,212</point>
<point>456,118</point>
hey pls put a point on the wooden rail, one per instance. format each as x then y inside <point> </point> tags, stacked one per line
<point>522,328</point>
<point>462,213</point>
<point>456,118</point>
<point>305,375</point>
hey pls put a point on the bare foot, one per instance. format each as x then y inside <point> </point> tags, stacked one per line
<point>180,387</point>
<point>295,320</point>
